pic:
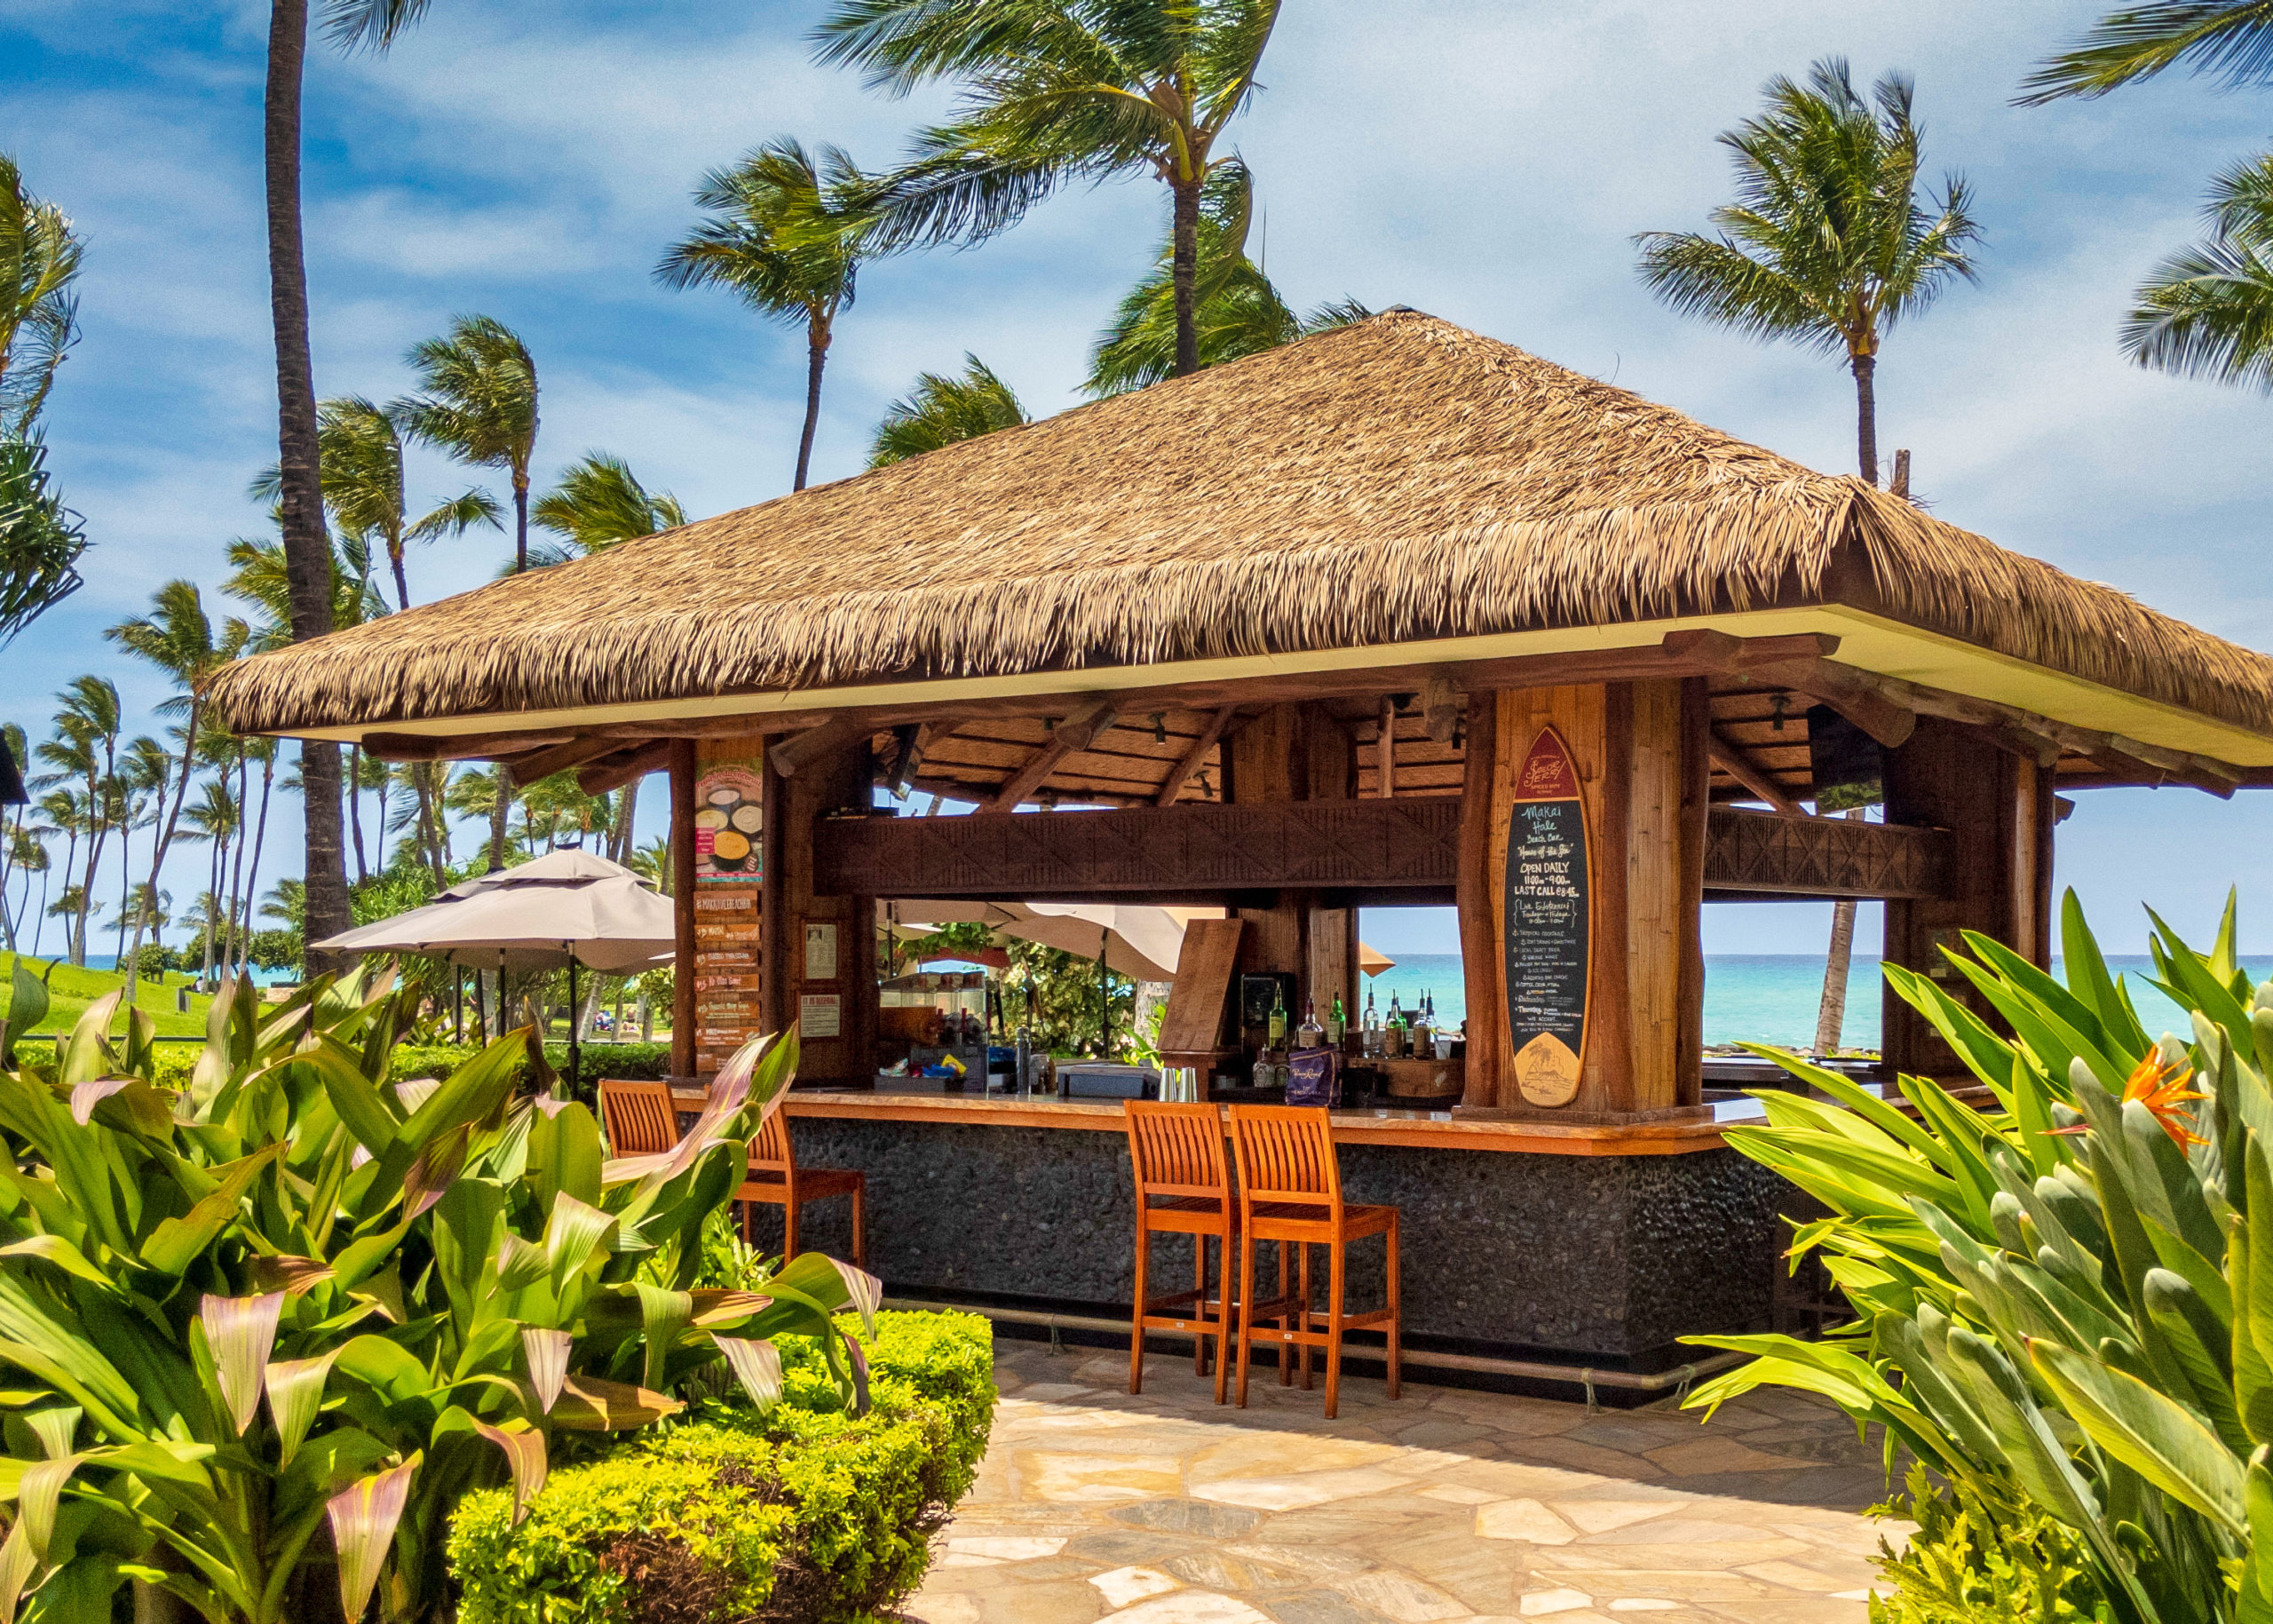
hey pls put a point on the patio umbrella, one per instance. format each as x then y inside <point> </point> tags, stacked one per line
<point>564,908</point>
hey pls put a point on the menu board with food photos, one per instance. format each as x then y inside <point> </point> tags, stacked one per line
<point>728,819</point>
<point>729,989</point>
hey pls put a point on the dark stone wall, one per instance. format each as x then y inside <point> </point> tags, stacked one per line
<point>1604,1259</point>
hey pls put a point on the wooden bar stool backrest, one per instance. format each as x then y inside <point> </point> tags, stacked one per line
<point>1286,1154</point>
<point>639,1116</point>
<point>770,1151</point>
<point>1176,1150</point>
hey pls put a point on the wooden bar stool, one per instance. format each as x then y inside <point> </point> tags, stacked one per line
<point>1290,1189</point>
<point>638,1116</point>
<point>1182,1188</point>
<point>776,1180</point>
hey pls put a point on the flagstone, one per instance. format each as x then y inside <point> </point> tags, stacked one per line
<point>1522,1519</point>
<point>1449,1507</point>
<point>1123,1586</point>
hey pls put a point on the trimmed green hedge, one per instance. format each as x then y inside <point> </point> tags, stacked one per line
<point>801,1516</point>
<point>175,1061</point>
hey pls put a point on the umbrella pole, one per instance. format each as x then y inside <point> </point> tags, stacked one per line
<point>575,1054</point>
<point>1105,999</point>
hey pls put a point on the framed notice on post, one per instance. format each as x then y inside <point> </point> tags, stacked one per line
<point>820,1015</point>
<point>820,950</point>
<point>1549,923</point>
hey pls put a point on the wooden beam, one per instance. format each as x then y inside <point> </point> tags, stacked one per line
<point>560,757</point>
<point>799,751</point>
<point>461,746</point>
<point>615,772</point>
<point>1385,750</point>
<point>1686,653</point>
<point>1073,734</point>
<point>1741,767</point>
<point>1440,704</point>
<point>1854,694</point>
<point>1180,774</point>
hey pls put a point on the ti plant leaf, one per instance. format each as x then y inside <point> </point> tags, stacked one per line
<point>363,1519</point>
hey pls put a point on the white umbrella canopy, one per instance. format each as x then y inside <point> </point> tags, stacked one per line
<point>1139,942</point>
<point>538,916</point>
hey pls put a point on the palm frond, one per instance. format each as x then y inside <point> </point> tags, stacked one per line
<point>2230,40</point>
<point>40,540</point>
<point>2207,312</point>
<point>369,25</point>
<point>598,503</point>
<point>941,410</point>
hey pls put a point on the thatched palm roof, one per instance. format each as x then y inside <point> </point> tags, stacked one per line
<point>1398,481</point>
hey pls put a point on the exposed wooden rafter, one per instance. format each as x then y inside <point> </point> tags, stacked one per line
<point>613,771</point>
<point>1191,762</point>
<point>1732,760</point>
<point>1073,734</point>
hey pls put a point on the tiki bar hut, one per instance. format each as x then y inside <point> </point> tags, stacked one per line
<point>1397,615</point>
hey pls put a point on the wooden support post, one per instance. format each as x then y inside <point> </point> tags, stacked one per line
<point>1479,944</point>
<point>776,920</point>
<point>1638,766</point>
<point>1999,810</point>
<point>1385,750</point>
<point>1695,809</point>
<point>683,810</point>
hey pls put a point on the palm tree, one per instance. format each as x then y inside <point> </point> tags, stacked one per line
<point>176,637</point>
<point>478,401</point>
<point>940,410</point>
<point>144,770</point>
<point>2208,310</point>
<point>1054,92</point>
<point>40,257</point>
<point>786,235</point>
<point>85,748</point>
<point>1829,242</point>
<point>1238,310</point>
<point>372,25</point>
<point>66,814</point>
<point>360,446</point>
<point>598,502</point>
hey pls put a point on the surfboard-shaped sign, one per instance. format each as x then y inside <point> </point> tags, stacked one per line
<point>1548,922</point>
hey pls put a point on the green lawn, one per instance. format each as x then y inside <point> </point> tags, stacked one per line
<point>70,991</point>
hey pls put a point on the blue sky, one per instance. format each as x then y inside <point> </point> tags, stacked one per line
<point>1487,163</point>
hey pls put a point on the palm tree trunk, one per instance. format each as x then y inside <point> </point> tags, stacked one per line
<point>1184,274</point>
<point>1831,1014</point>
<point>308,548</point>
<point>520,520</point>
<point>817,336</point>
<point>355,808</point>
<point>95,834</point>
<point>164,837</point>
<point>125,895</point>
<point>1866,417</point>
<point>401,581</point>
<point>259,839</point>
<point>235,943</point>
<point>501,816</point>
<point>8,839</point>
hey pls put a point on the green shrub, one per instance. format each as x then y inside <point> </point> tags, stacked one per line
<point>599,1059</point>
<point>804,1514</point>
<point>1975,1562</point>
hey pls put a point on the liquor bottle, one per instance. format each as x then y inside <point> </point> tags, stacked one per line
<point>1309,1035</point>
<point>1336,1023</point>
<point>1371,1036</point>
<point>1423,1025</point>
<point>1393,1030</point>
<point>1278,1018</point>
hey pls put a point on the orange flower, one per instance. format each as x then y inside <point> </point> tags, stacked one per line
<point>2160,1086</point>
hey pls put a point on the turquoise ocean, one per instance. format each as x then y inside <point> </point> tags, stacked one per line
<point>1762,998</point>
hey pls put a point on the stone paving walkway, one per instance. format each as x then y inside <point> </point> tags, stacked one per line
<point>1465,1506</point>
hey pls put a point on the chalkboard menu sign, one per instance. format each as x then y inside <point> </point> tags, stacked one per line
<point>1548,900</point>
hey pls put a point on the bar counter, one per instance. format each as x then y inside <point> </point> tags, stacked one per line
<point>929,1101</point>
<point>1601,1247</point>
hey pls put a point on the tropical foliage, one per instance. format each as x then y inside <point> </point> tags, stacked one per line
<point>805,1513</point>
<point>40,540</point>
<point>293,1297</point>
<point>477,402</point>
<point>597,503</point>
<point>2064,1300</point>
<point>2207,311</point>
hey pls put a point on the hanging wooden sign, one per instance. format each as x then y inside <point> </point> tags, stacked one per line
<point>1549,923</point>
